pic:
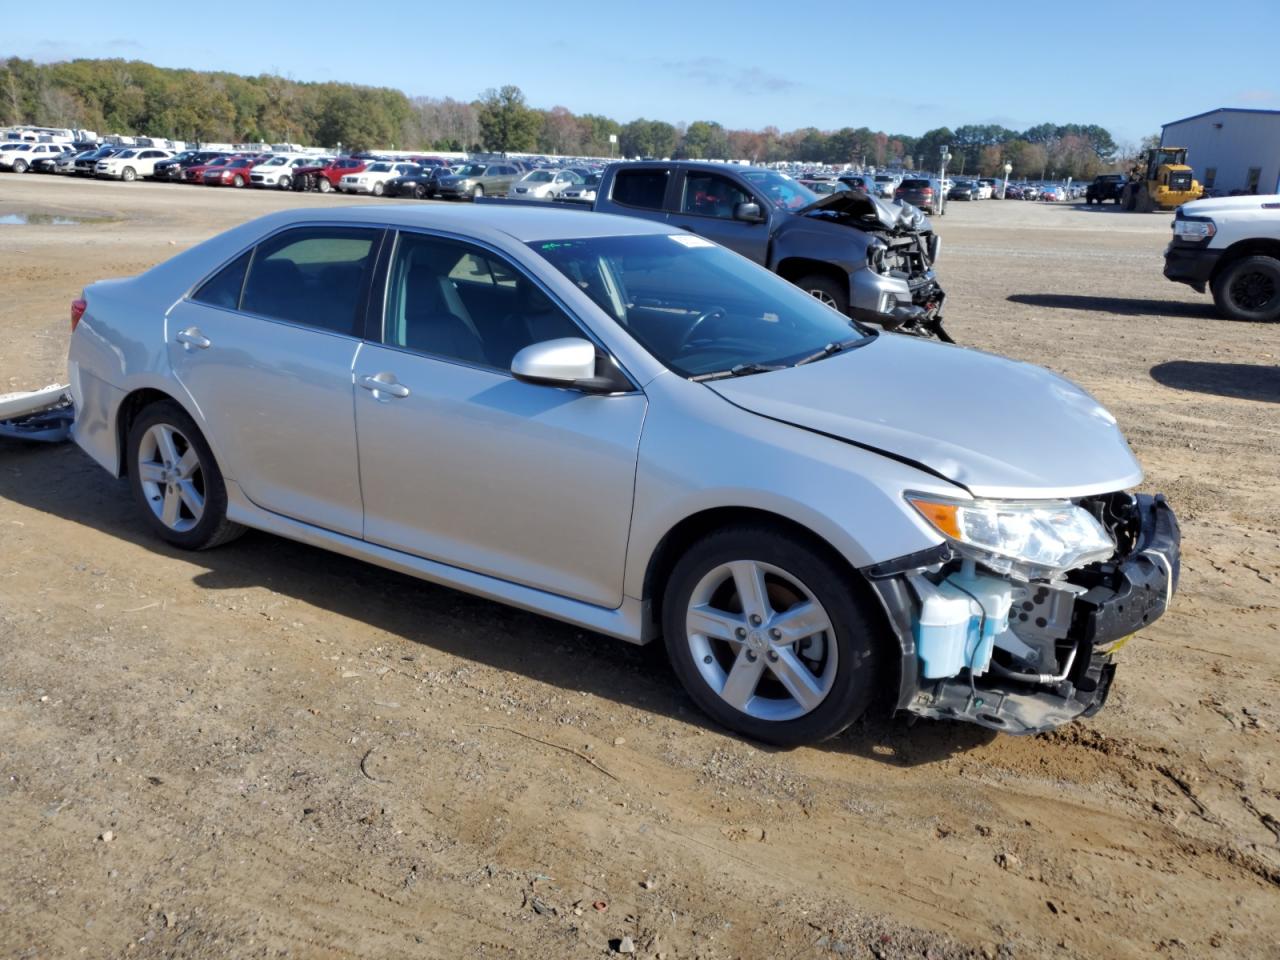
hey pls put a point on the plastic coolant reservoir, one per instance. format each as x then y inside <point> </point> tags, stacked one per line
<point>959,620</point>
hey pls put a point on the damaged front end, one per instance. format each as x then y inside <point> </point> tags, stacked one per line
<point>993,643</point>
<point>898,289</point>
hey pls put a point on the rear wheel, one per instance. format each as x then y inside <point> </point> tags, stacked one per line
<point>1249,289</point>
<point>766,636</point>
<point>826,289</point>
<point>176,481</point>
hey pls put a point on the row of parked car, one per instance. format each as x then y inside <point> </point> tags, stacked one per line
<point>414,177</point>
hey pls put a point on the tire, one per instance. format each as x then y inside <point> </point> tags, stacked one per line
<point>177,484</point>
<point>827,290</point>
<point>419,192</point>
<point>323,184</point>
<point>1249,289</point>
<point>285,182</point>
<point>19,166</point>
<point>128,175</point>
<point>237,181</point>
<point>379,189</point>
<point>477,191</point>
<point>834,666</point>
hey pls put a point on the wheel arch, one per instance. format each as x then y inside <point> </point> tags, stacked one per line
<point>1251,247</point>
<point>138,400</point>
<point>898,650</point>
<point>794,268</point>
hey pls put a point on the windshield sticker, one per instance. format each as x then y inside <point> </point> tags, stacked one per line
<point>689,240</point>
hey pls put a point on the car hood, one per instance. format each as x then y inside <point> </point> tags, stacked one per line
<point>1212,205</point>
<point>994,426</point>
<point>861,206</point>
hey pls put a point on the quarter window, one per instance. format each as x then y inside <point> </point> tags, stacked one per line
<point>640,188</point>
<point>712,195</point>
<point>459,302</point>
<point>223,288</point>
<point>314,277</point>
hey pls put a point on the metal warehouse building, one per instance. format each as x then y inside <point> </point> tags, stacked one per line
<point>1230,149</point>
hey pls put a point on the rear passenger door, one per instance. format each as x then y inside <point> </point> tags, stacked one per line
<point>265,349</point>
<point>639,191</point>
<point>707,204</point>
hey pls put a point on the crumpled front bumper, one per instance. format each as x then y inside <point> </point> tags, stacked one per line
<point>1127,595</point>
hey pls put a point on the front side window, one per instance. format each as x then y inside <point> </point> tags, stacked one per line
<point>640,188</point>
<point>314,276</point>
<point>697,307</point>
<point>712,195</point>
<point>459,302</point>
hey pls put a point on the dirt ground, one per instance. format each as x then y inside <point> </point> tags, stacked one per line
<point>266,750</point>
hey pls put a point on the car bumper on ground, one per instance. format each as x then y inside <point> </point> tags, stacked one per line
<point>1193,266</point>
<point>1124,595</point>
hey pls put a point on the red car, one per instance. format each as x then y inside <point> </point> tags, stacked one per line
<point>195,174</point>
<point>234,173</point>
<point>325,177</point>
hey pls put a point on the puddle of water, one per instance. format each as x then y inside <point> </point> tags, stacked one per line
<point>37,220</point>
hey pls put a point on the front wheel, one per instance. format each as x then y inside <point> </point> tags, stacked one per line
<point>323,184</point>
<point>767,636</point>
<point>237,181</point>
<point>1249,289</point>
<point>419,192</point>
<point>19,166</point>
<point>477,192</point>
<point>379,190</point>
<point>176,481</point>
<point>128,175</point>
<point>827,290</point>
<point>285,182</point>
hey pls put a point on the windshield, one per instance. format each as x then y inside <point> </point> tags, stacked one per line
<point>540,176</point>
<point>697,307</point>
<point>379,168</point>
<point>780,190</point>
<point>471,170</point>
<point>276,161</point>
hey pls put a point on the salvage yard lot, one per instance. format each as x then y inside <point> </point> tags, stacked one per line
<point>266,749</point>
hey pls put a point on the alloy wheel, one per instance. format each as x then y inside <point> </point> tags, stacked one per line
<point>761,640</point>
<point>825,297</point>
<point>172,477</point>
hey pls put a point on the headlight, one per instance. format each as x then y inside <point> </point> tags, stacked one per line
<point>1194,230</point>
<point>1030,539</point>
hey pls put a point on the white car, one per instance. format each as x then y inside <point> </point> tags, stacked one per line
<point>373,178</point>
<point>278,171</point>
<point>19,157</point>
<point>129,165</point>
<point>986,189</point>
<point>544,184</point>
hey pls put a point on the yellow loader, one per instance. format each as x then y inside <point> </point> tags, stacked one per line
<point>1165,182</point>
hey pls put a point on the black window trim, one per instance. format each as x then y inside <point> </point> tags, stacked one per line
<point>377,310</point>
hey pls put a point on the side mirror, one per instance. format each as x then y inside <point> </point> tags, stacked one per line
<point>567,362</point>
<point>748,212</point>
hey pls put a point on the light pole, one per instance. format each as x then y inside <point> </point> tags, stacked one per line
<point>942,181</point>
<point>1008,169</point>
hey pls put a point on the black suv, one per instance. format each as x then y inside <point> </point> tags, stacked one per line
<point>1106,186</point>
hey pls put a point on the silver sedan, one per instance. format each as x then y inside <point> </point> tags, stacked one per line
<point>634,430</point>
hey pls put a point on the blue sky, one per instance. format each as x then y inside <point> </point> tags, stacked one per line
<point>749,63</point>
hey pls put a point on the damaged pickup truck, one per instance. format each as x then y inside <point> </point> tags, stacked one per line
<point>868,259</point>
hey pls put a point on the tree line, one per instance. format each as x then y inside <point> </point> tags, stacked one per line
<point>210,106</point>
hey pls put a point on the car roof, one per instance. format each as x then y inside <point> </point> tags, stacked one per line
<point>525,224</point>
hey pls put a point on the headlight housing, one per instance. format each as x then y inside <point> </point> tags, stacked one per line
<point>1194,231</point>
<point>1030,540</point>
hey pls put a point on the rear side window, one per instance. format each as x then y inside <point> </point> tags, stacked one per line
<point>314,277</point>
<point>640,188</point>
<point>223,288</point>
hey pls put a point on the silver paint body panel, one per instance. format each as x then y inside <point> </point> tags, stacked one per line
<point>546,498</point>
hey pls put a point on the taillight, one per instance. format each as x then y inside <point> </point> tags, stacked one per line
<point>78,307</point>
<point>927,191</point>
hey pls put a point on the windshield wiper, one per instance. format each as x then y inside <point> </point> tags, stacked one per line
<point>831,349</point>
<point>740,370</point>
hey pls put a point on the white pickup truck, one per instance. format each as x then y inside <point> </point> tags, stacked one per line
<point>1232,246</point>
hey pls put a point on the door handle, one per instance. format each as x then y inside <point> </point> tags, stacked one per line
<point>192,337</point>
<point>385,383</point>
